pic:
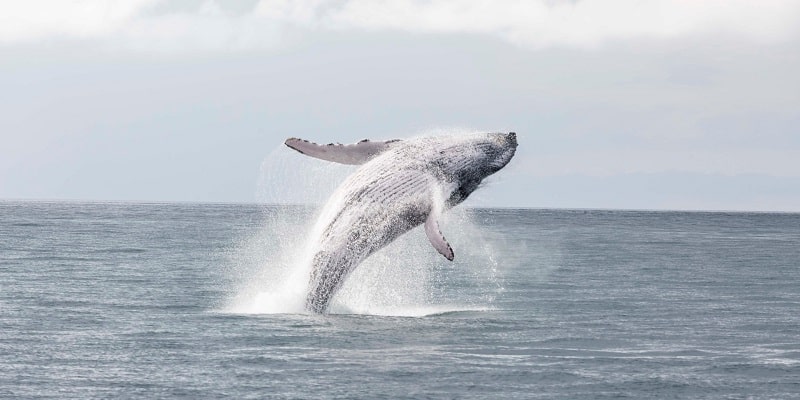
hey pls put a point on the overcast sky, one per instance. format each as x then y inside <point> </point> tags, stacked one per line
<point>658,104</point>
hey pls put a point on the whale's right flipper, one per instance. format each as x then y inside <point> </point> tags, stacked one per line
<point>435,236</point>
<point>353,154</point>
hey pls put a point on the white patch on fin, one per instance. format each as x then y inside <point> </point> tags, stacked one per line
<point>437,239</point>
<point>352,154</point>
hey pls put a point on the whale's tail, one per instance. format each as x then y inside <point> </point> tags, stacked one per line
<point>327,276</point>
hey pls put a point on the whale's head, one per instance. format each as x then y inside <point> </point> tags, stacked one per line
<point>498,148</point>
<point>483,154</point>
<point>472,158</point>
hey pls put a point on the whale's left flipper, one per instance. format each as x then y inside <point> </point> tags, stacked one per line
<point>353,154</point>
<point>435,236</point>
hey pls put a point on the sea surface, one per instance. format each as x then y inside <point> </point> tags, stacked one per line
<point>115,300</point>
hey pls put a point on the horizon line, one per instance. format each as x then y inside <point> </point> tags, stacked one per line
<point>312,205</point>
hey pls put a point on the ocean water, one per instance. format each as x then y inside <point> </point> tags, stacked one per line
<point>109,300</point>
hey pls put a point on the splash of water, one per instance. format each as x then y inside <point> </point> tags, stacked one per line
<point>406,278</point>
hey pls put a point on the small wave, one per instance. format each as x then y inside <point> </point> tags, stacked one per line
<point>122,250</point>
<point>412,311</point>
<point>27,224</point>
<point>58,258</point>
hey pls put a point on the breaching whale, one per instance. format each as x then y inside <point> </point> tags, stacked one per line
<point>400,184</point>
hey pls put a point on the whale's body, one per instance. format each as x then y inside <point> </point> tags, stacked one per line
<point>401,184</point>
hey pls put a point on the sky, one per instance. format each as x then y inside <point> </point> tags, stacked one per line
<point>618,104</point>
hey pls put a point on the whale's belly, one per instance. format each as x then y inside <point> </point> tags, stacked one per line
<point>371,210</point>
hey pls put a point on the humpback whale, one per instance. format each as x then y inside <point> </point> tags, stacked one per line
<point>399,185</point>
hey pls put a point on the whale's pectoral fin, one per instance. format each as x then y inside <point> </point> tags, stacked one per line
<point>435,236</point>
<point>352,154</point>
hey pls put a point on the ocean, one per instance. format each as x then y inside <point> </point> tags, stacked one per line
<point>144,300</point>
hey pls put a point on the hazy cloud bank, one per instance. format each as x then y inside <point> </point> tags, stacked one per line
<point>217,25</point>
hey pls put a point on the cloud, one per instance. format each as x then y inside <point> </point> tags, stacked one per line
<point>152,24</point>
<point>32,20</point>
<point>564,23</point>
